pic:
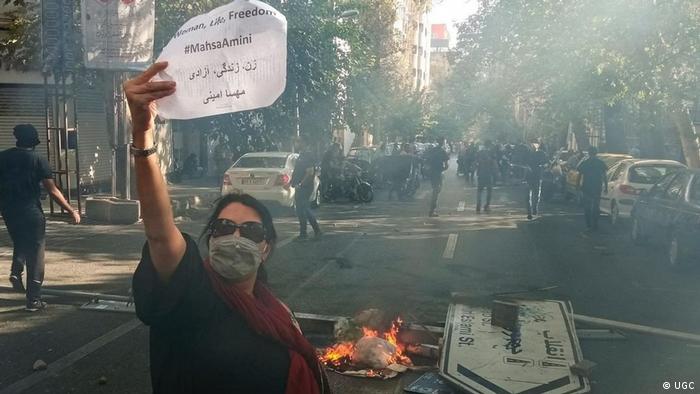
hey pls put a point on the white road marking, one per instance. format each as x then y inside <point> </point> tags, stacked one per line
<point>460,207</point>
<point>70,358</point>
<point>281,244</point>
<point>449,252</point>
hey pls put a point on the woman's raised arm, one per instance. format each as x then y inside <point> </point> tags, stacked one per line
<point>165,242</point>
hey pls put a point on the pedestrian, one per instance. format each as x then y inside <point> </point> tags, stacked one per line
<point>436,162</point>
<point>470,160</point>
<point>486,172</point>
<point>535,162</point>
<point>591,182</point>
<point>222,156</point>
<point>214,324</point>
<point>22,169</point>
<point>303,183</point>
<point>331,167</point>
<point>191,167</point>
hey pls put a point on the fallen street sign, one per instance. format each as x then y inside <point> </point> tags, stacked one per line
<point>533,359</point>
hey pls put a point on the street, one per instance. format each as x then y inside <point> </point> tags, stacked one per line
<point>387,255</point>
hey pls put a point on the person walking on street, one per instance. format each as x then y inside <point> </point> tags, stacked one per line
<point>486,171</point>
<point>22,169</point>
<point>436,160</point>
<point>331,164</point>
<point>469,165</point>
<point>535,162</point>
<point>303,184</point>
<point>592,181</point>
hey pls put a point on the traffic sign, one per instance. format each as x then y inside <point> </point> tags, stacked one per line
<point>535,358</point>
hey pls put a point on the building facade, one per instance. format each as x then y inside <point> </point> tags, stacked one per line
<point>413,31</point>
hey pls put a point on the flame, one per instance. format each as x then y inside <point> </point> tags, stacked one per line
<point>339,354</point>
<point>392,337</point>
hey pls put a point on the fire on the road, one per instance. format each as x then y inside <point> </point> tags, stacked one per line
<point>340,355</point>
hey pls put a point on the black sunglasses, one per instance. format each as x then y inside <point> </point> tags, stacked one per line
<point>254,231</point>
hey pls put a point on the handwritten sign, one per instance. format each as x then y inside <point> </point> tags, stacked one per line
<point>118,34</point>
<point>535,357</point>
<point>231,59</point>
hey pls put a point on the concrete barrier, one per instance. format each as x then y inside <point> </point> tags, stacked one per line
<point>112,210</point>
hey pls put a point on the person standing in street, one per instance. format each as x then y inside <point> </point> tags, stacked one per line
<point>214,324</point>
<point>22,169</point>
<point>303,184</point>
<point>592,181</point>
<point>486,171</point>
<point>469,165</point>
<point>331,167</point>
<point>535,162</point>
<point>436,162</point>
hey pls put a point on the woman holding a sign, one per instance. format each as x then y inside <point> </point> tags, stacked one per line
<point>214,325</point>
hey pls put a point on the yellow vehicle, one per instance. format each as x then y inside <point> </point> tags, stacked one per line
<point>573,176</point>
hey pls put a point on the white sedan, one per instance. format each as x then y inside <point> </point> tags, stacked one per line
<point>627,180</point>
<point>266,176</point>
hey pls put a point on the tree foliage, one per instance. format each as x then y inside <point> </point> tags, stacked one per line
<point>566,62</point>
<point>364,88</point>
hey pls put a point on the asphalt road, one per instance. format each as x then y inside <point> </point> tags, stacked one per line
<point>386,255</point>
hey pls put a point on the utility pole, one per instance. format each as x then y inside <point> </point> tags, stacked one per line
<point>121,159</point>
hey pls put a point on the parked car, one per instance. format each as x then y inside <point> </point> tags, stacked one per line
<point>554,175</point>
<point>572,175</point>
<point>266,176</point>
<point>628,179</point>
<point>669,215</point>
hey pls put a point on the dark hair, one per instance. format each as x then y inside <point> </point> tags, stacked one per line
<point>592,151</point>
<point>27,136</point>
<point>257,206</point>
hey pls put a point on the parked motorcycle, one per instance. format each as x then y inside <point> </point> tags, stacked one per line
<point>412,182</point>
<point>350,184</point>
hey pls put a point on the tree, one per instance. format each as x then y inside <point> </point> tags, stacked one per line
<point>327,87</point>
<point>568,62</point>
<point>19,45</point>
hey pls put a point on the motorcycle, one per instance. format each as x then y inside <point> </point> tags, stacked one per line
<point>350,184</point>
<point>412,182</point>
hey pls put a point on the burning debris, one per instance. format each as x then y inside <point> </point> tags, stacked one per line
<point>372,355</point>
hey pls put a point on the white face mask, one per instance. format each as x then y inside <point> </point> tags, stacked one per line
<point>234,257</point>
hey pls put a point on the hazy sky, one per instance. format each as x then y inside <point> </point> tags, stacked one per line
<point>451,12</point>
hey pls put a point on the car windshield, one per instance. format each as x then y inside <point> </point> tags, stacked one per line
<point>649,174</point>
<point>261,162</point>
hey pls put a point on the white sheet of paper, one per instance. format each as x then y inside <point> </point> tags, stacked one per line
<point>232,59</point>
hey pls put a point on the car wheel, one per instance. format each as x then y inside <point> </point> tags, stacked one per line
<point>316,202</point>
<point>614,213</point>
<point>638,236</point>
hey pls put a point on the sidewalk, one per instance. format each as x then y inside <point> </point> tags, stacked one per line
<point>89,257</point>
<point>186,197</point>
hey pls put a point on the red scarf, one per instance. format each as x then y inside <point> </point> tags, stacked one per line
<point>268,317</point>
